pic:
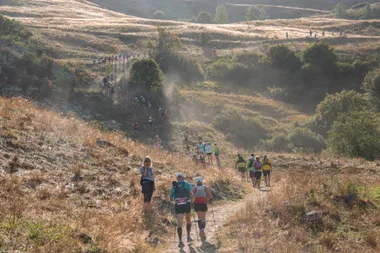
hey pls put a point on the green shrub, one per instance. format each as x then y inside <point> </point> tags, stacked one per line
<point>356,134</point>
<point>340,10</point>
<point>329,109</point>
<point>371,85</point>
<point>204,38</point>
<point>204,17</point>
<point>14,28</point>
<point>321,55</point>
<point>282,57</point>
<point>246,131</point>
<point>145,75</point>
<point>221,15</point>
<point>158,15</point>
<point>175,63</point>
<point>296,140</point>
<point>255,13</point>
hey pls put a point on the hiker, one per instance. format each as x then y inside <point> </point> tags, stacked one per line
<point>201,195</point>
<point>216,154</point>
<point>267,167</point>
<point>157,142</point>
<point>147,182</point>
<point>135,126</point>
<point>287,35</point>
<point>167,116</point>
<point>341,33</point>
<point>323,33</point>
<point>94,62</point>
<point>137,102</point>
<point>240,165</point>
<point>201,148</point>
<point>183,197</point>
<point>142,99</point>
<point>150,122</point>
<point>311,33</point>
<point>315,35</point>
<point>250,162</point>
<point>208,150</point>
<point>257,170</point>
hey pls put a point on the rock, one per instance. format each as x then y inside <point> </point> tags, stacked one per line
<point>216,195</point>
<point>156,242</point>
<point>102,143</point>
<point>314,219</point>
<point>85,238</point>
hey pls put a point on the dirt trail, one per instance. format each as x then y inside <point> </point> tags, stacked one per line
<point>222,213</point>
<point>212,244</point>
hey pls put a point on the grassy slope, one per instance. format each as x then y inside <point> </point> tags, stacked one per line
<point>40,155</point>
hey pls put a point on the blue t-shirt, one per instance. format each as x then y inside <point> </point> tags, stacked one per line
<point>149,175</point>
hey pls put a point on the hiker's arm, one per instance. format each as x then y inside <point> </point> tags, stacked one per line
<point>208,193</point>
<point>144,171</point>
<point>172,194</point>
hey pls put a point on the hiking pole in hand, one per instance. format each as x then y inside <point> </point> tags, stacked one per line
<point>196,224</point>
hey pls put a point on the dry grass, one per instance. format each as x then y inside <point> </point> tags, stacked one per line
<point>280,220</point>
<point>53,173</point>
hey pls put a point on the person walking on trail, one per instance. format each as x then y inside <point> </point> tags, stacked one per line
<point>147,182</point>
<point>208,150</point>
<point>150,122</point>
<point>201,148</point>
<point>257,170</point>
<point>287,35</point>
<point>181,193</point>
<point>250,162</point>
<point>202,161</point>
<point>311,33</point>
<point>240,165</point>
<point>201,194</point>
<point>135,126</point>
<point>216,154</point>
<point>267,167</point>
<point>157,142</point>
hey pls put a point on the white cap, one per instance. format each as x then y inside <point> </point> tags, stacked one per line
<point>179,174</point>
<point>199,179</point>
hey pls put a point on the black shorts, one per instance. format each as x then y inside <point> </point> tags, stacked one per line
<point>198,207</point>
<point>180,209</point>
<point>147,190</point>
<point>258,175</point>
<point>241,169</point>
<point>266,173</point>
<point>251,174</point>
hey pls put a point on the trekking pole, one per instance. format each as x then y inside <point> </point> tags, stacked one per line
<point>174,233</point>
<point>196,229</point>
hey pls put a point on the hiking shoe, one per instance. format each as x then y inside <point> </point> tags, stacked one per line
<point>181,244</point>
<point>189,239</point>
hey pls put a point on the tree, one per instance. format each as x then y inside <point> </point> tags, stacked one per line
<point>356,134</point>
<point>167,42</point>
<point>221,15</point>
<point>158,15</point>
<point>368,11</point>
<point>145,75</point>
<point>204,17</point>
<point>371,85</point>
<point>320,54</point>
<point>204,38</point>
<point>282,57</point>
<point>255,13</point>
<point>340,10</point>
<point>343,102</point>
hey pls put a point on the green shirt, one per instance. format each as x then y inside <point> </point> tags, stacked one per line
<point>216,151</point>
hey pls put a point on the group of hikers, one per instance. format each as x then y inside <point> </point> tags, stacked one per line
<point>185,196</point>
<point>121,57</point>
<point>254,168</point>
<point>205,150</point>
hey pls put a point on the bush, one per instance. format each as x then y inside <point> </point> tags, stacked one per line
<point>204,38</point>
<point>329,109</point>
<point>296,140</point>
<point>255,13</point>
<point>221,15</point>
<point>159,15</point>
<point>145,75</point>
<point>282,57</point>
<point>14,29</point>
<point>204,17</point>
<point>340,10</point>
<point>246,131</point>
<point>371,85</point>
<point>187,68</point>
<point>320,54</point>
<point>356,134</point>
